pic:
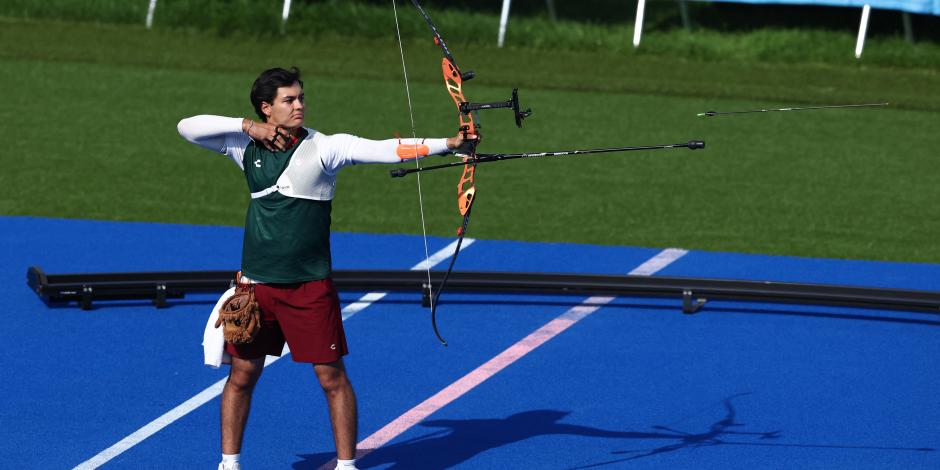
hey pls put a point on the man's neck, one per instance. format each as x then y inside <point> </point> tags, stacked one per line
<point>291,131</point>
<point>293,135</point>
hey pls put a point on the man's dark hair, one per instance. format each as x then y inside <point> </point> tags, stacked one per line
<point>266,85</point>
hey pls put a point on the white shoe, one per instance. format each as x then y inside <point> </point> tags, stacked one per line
<point>230,466</point>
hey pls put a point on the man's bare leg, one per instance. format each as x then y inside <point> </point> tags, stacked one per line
<point>342,402</point>
<point>236,401</point>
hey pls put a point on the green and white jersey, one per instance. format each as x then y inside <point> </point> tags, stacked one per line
<point>287,227</point>
<point>287,239</point>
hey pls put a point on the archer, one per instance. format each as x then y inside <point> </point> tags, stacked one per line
<point>291,174</point>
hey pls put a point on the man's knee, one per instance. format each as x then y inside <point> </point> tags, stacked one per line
<point>332,377</point>
<point>244,374</point>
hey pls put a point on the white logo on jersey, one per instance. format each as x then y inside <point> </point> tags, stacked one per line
<point>258,163</point>
<point>333,347</point>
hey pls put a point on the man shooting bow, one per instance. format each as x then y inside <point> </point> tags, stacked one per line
<point>291,173</point>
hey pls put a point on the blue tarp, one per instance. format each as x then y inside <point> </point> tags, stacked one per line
<point>925,7</point>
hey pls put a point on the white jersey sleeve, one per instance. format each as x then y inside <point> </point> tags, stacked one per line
<point>339,150</point>
<point>217,133</point>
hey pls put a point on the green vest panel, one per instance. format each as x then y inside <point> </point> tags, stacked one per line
<point>287,240</point>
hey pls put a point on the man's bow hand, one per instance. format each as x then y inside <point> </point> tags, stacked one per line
<point>463,144</point>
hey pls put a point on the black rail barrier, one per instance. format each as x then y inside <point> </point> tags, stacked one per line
<point>694,292</point>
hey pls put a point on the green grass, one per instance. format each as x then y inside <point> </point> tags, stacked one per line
<point>91,113</point>
<point>251,20</point>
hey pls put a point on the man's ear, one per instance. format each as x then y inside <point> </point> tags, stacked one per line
<point>266,110</point>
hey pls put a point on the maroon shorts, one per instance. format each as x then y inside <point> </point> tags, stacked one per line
<point>307,315</point>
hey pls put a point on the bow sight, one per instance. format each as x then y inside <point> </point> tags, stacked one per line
<point>512,103</point>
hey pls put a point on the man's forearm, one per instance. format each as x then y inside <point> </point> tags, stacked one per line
<point>209,131</point>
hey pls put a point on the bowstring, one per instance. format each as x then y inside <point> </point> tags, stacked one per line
<point>414,136</point>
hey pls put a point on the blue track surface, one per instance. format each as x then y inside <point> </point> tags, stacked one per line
<point>635,385</point>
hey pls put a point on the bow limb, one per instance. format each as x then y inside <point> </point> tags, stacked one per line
<point>461,232</point>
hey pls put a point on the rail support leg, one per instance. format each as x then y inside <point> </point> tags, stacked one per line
<point>690,304</point>
<point>426,294</point>
<point>159,300</point>
<point>86,297</point>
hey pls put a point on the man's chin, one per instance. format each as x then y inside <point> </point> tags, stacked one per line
<point>293,124</point>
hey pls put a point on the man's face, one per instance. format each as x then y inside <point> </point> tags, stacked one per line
<point>287,110</point>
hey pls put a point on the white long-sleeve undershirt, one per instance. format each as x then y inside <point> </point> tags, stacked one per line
<point>224,135</point>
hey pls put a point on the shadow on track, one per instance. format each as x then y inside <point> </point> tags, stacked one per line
<point>459,441</point>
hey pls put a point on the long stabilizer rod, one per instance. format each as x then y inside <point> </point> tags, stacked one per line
<point>495,157</point>
<point>720,113</point>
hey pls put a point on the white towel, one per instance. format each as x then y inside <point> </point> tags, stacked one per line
<point>213,342</point>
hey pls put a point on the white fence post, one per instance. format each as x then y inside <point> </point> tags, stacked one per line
<point>908,28</point>
<point>503,19</point>
<point>862,29</point>
<point>550,5</point>
<point>284,14</point>
<point>638,27</point>
<point>150,9</point>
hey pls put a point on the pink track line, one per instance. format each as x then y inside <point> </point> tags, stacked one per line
<point>479,375</point>
<point>501,361</point>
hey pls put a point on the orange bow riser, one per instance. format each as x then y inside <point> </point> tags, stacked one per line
<point>466,186</point>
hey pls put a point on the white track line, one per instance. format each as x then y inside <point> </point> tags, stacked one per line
<point>658,262</point>
<point>215,389</point>
<point>501,361</point>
